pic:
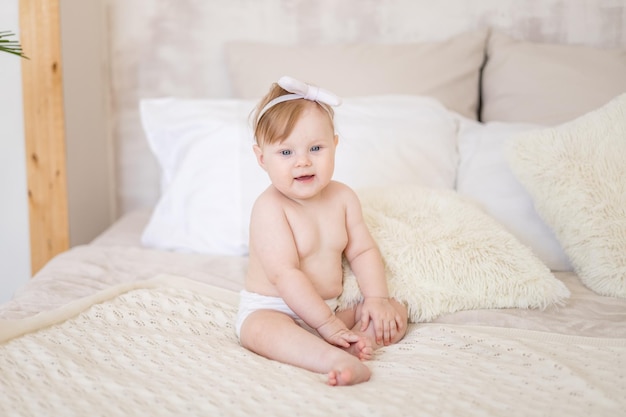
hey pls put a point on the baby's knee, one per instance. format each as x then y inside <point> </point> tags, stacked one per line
<point>252,329</point>
<point>403,312</point>
<point>400,307</point>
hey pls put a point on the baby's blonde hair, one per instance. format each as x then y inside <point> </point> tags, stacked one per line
<point>278,121</point>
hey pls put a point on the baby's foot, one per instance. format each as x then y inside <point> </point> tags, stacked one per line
<point>362,348</point>
<point>350,374</point>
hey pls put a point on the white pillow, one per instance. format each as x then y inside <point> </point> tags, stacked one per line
<point>485,176</point>
<point>392,140</point>
<point>204,148</point>
<point>443,254</point>
<point>576,174</point>
<point>211,178</point>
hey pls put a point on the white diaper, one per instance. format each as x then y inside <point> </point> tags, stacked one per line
<point>250,302</point>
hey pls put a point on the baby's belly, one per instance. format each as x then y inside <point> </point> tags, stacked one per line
<point>328,282</point>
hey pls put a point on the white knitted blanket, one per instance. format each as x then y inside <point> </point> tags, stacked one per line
<point>167,347</point>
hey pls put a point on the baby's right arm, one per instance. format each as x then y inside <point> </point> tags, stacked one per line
<point>300,295</point>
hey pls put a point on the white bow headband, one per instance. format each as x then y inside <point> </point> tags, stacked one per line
<point>298,90</point>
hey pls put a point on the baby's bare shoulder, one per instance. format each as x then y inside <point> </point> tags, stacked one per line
<point>340,188</point>
<point>270,197</point>
<point>341,191</point>
<point>268,202</point>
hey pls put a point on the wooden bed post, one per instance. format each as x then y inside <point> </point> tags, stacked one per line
<point>44,130</point>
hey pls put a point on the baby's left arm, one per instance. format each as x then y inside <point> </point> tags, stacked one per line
<point>367,265</point>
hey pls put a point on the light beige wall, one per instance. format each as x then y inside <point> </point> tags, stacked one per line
<point>14,231</point>
<point>89,155</point>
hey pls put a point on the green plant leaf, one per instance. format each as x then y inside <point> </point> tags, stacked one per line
<point>10,46</point>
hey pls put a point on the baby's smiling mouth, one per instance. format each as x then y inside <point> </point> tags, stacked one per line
<point>304,178</point>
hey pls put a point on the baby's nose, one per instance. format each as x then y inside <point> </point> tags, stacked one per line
<point>303,160</point>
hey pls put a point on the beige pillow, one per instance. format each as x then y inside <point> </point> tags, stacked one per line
<point>548,83</point>
<point>576,175</point>
<point>448,70</point>
<point>444,254</point>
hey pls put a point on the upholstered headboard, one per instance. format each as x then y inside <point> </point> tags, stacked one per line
<point>164,48</point>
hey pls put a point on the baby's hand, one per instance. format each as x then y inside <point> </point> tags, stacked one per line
<point>384,318</point>
<point>334,331</point>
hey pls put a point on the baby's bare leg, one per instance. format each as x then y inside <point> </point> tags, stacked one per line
<point>363,348</point>
<point>276,336</point>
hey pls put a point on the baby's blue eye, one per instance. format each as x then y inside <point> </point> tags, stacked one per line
<point>285,152</point>
<point>315,148</point>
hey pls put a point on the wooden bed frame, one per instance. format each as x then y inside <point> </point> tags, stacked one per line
<point>44,130</point>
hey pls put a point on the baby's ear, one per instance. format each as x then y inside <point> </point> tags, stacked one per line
<point>259,155</point>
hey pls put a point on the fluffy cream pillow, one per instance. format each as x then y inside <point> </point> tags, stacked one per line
<point>447,70</point>
<point>576,174</point>
<point>443,254</point>
<point>548,83</point>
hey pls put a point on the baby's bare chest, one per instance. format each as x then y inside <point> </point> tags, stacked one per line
<point>319,232</point>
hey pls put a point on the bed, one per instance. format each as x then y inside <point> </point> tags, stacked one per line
<point>486,141</point>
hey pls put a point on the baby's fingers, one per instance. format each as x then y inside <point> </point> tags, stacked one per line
<point>365,320</point>
<point>351,337</point>
<point>400,324</point>
<point>385,331</point>
<point>391,332</point>
<point>379,331</point>
<point>346,338</point>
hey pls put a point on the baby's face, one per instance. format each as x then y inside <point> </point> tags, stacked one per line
<point>303,164</point>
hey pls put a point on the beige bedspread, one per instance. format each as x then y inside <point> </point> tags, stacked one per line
<point>167,347</point>
<point>126,344</point>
